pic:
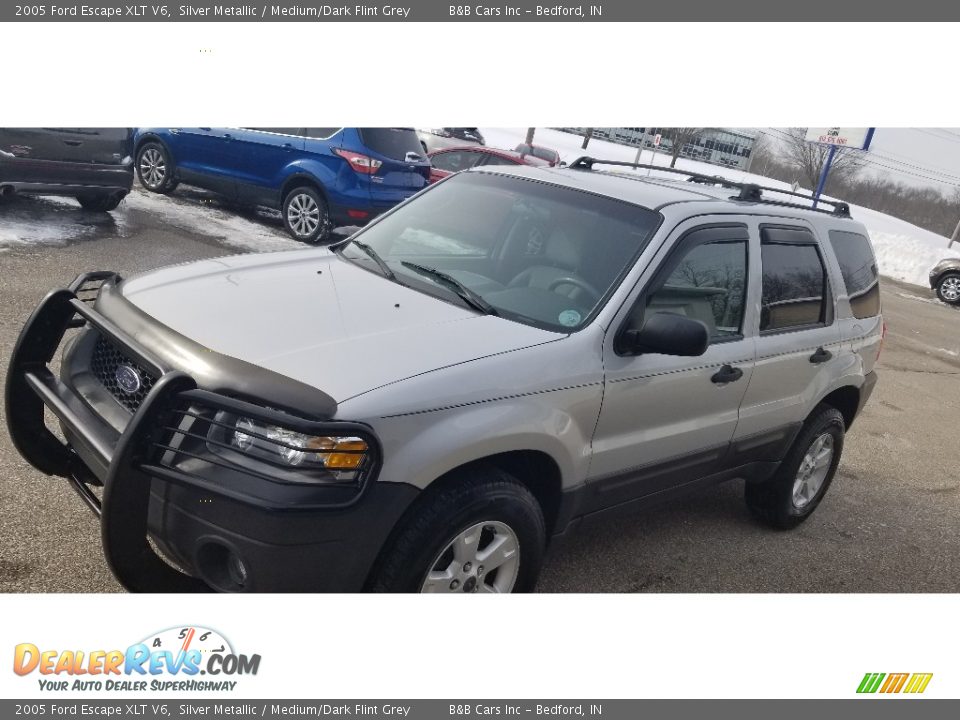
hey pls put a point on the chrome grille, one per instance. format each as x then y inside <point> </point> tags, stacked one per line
<point>106,359</point>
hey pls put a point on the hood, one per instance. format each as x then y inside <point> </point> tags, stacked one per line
<point>316,318</point>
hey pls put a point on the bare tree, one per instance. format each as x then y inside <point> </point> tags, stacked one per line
<point>588,133</point>
<point>680,137</point>
<point>809,158</point>
<point>530,132</point>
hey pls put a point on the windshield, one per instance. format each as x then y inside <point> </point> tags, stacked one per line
<point>535,253</point>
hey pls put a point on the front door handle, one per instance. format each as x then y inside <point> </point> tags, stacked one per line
<point>820,356</point>
<point>727,374</point>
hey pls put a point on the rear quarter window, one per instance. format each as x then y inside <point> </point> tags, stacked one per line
<point>393,143</point>
<point>859,270</point>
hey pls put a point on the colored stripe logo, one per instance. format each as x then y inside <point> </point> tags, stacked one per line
<point>912,683</point>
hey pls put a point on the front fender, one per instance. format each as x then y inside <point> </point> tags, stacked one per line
<point>422,447</point>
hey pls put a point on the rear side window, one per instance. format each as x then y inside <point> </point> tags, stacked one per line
<point>794,280</point>
<point>278,131</point>
<point>321,133</point>
<point>393,143</point>
<point>859,270</point>
<point>455,161</point>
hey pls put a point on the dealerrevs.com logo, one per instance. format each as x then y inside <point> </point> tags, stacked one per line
<point>892,683</point>
<point>176,659</point>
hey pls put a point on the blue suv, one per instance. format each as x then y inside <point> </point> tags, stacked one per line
<point>317,177</point>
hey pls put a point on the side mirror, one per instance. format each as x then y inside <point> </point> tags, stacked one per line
<point>668,334</point>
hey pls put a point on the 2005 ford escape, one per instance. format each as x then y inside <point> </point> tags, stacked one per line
<point>509,354</point>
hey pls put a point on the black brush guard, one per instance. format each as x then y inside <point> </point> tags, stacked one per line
<point>131,460</point>
<point>126,491</point>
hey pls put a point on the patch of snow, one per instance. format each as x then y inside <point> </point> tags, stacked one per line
<point>207,218</point>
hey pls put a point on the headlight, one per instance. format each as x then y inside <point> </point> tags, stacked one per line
<point>314,458</point>
<point>297,449</point>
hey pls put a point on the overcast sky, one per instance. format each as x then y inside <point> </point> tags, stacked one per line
<point>917,156</point>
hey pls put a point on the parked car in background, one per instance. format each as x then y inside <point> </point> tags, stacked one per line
<point>544,153</point>
<point>94,165</point>
<point>317,177</point>
<point>437,138</point>
<point>446,162</point>
<point>945,279</point>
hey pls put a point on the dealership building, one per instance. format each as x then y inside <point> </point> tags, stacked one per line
<point>720,146</point>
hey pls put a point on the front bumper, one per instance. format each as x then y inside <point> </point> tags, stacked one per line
<point>286,536</point>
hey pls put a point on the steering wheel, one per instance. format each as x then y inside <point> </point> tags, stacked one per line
<point>578,283</point>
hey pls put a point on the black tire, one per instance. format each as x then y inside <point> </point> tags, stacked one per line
<point>155,168</point>
<point>479,494</point>
<point>100,202</point>
<point>948,288</point>
<point>298,217</point>
<point>772,502</point>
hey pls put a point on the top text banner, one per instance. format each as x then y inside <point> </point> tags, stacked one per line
<point>509,11</point>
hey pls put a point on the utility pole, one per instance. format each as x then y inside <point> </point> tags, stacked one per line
<point>955,236</point>
<point>530,132</point>
<point>588,133</point>
<point>823,175</point>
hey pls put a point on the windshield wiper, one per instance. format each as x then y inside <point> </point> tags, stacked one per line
<point>466,294</point>
<point>375,256</point>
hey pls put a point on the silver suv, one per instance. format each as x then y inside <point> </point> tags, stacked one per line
<point>510,354</point>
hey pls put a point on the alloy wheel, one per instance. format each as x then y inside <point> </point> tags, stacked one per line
<point>484,558</point>
<point>813,470</point>
<point>303,215</point>
<point>153,169</point>
<point>950,288</point>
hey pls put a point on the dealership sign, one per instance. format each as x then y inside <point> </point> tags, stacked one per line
<point>856,138</point>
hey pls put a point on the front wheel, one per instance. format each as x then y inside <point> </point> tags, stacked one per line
<point>100,202</point>
<point>948,288</point>
<point>305,215</point>
<point>796,489</point>
<point>155,169</point>
<point>482,533</point>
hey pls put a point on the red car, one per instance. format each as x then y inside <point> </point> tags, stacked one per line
<point>450,160</point>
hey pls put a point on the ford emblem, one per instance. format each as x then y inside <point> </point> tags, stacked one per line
<point>128,379</point>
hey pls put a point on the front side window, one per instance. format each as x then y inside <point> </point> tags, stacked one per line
<point>705,280</point>
<point>794,280</point>
<point>859,270</point>
<point>535,253</point>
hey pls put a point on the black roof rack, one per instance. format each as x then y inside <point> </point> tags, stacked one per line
<point>749,192</point>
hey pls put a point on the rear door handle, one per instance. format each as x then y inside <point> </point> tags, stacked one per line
<point>820,356</point>
<point>727,374</point>
<point>73,143</point>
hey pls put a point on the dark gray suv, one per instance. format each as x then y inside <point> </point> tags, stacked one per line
<point>94,165</point>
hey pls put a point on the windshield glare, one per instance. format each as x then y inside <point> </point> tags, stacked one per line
<point>539,254</point>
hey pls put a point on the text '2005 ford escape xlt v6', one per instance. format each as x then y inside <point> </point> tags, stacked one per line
<point>511,353</point>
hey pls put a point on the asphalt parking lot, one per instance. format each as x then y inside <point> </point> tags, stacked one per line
<point>889,523</point>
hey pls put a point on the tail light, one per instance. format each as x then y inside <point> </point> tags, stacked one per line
<point>363,164</point>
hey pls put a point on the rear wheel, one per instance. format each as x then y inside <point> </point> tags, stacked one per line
<point>100,202</point>
<point>794,492</point>
<point>948,288</point>
<point>305,215</point>
<point>482,533</point>
<point>154,168</point>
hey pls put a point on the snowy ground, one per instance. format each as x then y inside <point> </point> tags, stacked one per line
<point>59,221</point>
<point>904,251</point>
